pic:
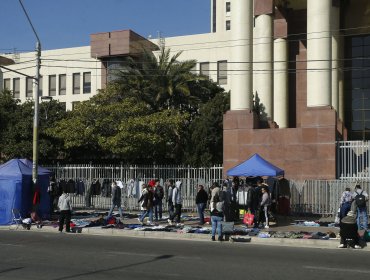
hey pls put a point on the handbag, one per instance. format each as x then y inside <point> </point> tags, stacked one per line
<point>248,218</point>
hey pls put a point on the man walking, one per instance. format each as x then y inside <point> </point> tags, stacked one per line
<point>177,201</point>
<point>116,200</point>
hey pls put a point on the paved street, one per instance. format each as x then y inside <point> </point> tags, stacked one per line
<point>31,255</point>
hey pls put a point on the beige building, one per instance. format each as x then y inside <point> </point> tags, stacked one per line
<point>298,73</point>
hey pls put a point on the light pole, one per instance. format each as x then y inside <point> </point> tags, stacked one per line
<point>36,88</point>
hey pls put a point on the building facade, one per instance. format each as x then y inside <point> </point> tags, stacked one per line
<point>298,73</point>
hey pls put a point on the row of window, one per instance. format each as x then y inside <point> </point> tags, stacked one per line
<point>57,85</point>
<point>221,71</point>
<point>227,9</point>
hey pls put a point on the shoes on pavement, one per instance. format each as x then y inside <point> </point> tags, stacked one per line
<point>220,239</point>
<point>358,247</point>
<point>169,222</point>
<point>213,238</point>
<point>267,227</point>
<point>151,224</point>
<point>342,246</point>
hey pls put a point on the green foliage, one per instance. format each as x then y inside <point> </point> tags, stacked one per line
<point>158,111</point>
<point>205,146</point>
<point>17,128</point>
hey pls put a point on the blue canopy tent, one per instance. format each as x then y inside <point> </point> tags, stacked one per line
<point>16,190</point>
<point>255,166</point>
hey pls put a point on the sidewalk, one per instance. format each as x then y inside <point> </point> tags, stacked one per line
<point>161,230</point>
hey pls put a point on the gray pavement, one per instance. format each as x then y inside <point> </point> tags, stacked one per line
<point>284,226</point>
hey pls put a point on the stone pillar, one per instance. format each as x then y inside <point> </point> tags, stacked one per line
<point>319,53</point>
<point>335,58</point>
<point>281,108</point>
<point>263,64</point>
<point>241,55</point>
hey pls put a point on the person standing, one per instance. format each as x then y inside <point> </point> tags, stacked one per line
<point>146,198</point>
<point>52,191</point>
<point>177,201</point>
<point>217,212</point>
<point>169,191</point>
<point>65,207</point>
<point>158,200</point>
<point>265,205</point>
<point>345,203</point>
<point>201,202</point>
<point>348,228</point>
<point>361,197</point>
<point>116,200</point>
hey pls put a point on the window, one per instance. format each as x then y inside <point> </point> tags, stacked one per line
<point>40,85</point>
<point>74,104</point>
<point>228,25</point>
<point>222,72</point>
<point>7,84</point>
<point>214,16</point>
<point>228,7</point>
<point>63,105</point>
<point>16,87</point>
<point>29,87</point>
<point>76,83</point>
<point>204,69</point>
<point>52,85</point>
<point>62,84</point>
<point>357,92</point>
<point>87,82</point>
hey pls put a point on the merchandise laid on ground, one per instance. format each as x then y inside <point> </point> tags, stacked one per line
<point>98,223</point>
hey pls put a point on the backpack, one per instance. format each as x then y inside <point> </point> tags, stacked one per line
<point>360,200</point>
<point>219,201</point>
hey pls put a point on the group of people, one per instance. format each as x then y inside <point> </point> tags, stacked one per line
<point>353,216</point>
<point>152,196</point>
<point>224,204</point>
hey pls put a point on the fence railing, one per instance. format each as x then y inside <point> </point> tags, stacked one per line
<point>353,160</point>
<point>306,197</point>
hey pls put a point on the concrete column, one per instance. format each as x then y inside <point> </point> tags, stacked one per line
<point>263,64</point>
<point>335,58</point>
<point>241,54</point>
<point>318,53</point>
<point>341,79</point>
<point>281,100</point>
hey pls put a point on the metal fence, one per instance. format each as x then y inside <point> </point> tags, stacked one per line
<point>320,196</point>
<point>306,197</point>
<point>353,159</point>
<point>131,175</point>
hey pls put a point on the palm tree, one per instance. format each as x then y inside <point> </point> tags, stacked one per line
<point>161,82</point>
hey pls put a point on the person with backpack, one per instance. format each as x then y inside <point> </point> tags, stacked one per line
<point>158,200</point>
<point>116,200</point>
<point>349,230</point>
<point>361,197</point>
<point>217,211</point>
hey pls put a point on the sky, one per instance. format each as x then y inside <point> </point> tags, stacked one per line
<point>69,23</point>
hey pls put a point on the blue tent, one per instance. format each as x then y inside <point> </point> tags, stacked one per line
<point>255,166</point>
<point>16,190</point>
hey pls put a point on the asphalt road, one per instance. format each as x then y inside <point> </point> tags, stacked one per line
<point>54,256</point>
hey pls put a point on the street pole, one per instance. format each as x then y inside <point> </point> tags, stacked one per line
<point>36,89</point>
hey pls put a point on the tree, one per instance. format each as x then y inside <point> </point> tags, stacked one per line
<point>205,146</point>
<point>161,82</point>
<point>17,129</point>
<point>110,126</point>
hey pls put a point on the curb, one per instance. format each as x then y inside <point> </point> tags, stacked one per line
<point>306,243</point>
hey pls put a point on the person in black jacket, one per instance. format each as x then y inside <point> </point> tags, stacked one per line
<point>201,202</point>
